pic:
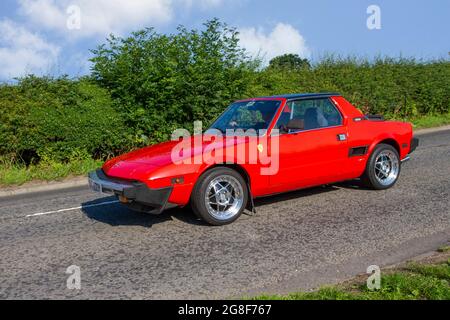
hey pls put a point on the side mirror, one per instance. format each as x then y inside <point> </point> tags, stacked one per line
<point>295,124</point>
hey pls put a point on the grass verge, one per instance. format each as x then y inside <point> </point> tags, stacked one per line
<point>444,249</point>
<point>428,121</point>
<point>414,281</point>
<point>16,174</point>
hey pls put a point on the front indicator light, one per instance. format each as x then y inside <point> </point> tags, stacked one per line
<point>178,180</point>
<point>123,199</point>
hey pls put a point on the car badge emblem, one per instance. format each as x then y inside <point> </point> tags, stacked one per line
<point>260,148</point>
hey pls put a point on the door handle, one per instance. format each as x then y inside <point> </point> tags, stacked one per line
<point>342,137</point>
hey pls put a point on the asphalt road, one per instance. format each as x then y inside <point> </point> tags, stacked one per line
<point>300,240</point>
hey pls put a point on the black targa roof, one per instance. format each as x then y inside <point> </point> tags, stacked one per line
<point>305,95</point>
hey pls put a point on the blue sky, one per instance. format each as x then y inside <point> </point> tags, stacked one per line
<point>35,38</point>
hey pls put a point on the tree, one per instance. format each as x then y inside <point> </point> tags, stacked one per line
<point>289,61</point>
<point>174,79</point>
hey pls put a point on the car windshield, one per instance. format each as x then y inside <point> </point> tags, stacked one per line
<point>256,115</point>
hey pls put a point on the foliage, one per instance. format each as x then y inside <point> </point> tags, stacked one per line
<point>415,282</point>
<point>12,173</point>
<point>392,87</point>
<point>163,82</point>
<point>290,62</point>
<point>57,119</point>
<point>444,249</point>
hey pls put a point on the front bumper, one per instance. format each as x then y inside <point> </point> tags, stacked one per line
<point>138,195</point>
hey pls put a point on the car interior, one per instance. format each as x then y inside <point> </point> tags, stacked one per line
<point>307,115</point>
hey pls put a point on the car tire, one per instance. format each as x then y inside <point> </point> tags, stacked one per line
<point>219,196</point>
<point>383,168</point>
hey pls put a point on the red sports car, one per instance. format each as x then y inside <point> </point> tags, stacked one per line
<point>260,147</point>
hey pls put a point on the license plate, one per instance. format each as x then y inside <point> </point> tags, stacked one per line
<point>95,186</point>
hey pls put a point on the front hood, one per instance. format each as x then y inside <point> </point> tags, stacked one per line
<point>144,161</point>
<point>140,162</point>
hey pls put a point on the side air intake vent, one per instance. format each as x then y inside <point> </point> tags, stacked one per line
<point>358,151</point>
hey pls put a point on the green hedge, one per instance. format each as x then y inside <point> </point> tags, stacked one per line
<point>144,86</point>
<point>393,87</point>
<point>58,119</point>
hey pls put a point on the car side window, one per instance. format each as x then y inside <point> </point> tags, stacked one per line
<point>284,118</point>
<point>307,115</point>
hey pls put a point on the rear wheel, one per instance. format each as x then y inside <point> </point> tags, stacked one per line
<point>220,196</point>
<point>383,167</point>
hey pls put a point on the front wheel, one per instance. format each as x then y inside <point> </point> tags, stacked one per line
<point>220,196</point>
<point>383,167</point>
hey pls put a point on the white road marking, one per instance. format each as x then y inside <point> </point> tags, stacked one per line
<point>71,209</point>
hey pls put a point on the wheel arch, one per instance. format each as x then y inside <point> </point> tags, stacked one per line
<point>239,169</point>
<point>386,140</point>
<point>392,142</point>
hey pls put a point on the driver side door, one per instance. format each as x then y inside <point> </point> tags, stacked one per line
<point>314,153</point>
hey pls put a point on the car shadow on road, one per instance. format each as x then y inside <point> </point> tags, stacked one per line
<point>297,194</point>
<point>356,184</point>
<point>117,214</point>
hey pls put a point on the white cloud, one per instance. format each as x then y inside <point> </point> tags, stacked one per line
<point>103,17</point>
<point>44,12</point>
<point>204,4</point>
<point>283,39</point>
<point>99,17</point>
<point>22,51</point>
